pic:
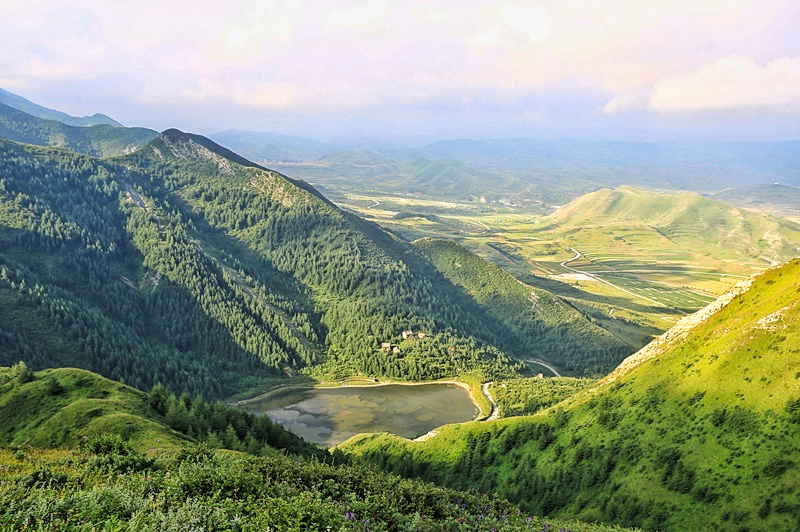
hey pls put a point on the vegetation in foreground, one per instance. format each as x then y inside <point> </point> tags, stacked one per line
<point>703,436</point>
<point>109,486</point>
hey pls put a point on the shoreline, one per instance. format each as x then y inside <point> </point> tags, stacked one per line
<point>479,417</point>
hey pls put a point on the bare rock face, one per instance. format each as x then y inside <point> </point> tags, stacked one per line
<point>186,147</point>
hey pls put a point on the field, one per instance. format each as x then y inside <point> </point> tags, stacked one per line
<point>632,276</point>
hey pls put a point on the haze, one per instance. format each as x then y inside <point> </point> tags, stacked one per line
<point>416,71</point>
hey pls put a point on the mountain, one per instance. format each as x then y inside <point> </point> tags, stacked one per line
<point>687,222</point>
<point>185,264</point>
<point>698,166</point>
<point>531,173</point>
<point>697,431</point>
<point>20,103</point>
<point>101,140</point>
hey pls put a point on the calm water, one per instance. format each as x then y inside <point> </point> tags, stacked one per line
<point>329,416</point>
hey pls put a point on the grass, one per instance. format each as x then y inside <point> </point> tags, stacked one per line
<point>62,407</point>
<point>108,486</point>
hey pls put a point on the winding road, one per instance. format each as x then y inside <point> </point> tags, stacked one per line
<point>545,364</point>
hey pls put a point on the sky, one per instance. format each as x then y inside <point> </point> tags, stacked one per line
<point>416,71</point>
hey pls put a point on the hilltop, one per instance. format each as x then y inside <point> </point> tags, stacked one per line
<point>698,432</point>
<point>681,221</point>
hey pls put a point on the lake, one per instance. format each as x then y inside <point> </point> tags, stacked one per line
<point>329,416</point>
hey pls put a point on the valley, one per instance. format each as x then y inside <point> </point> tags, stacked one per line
<point>635,268</point>
<point>154,285</point>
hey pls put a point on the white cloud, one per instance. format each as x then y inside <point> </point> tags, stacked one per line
<point>487,38</point>
<point>427,15</point>
<point>361,14</point>
<point>628,101</point>
<point>732,82</point>
<point>531,20</point>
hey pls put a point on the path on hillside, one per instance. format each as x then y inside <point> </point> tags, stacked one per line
<point>495,414</point>
<point>545,364</point>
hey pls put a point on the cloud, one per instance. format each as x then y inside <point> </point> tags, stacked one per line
<point>732,82</point>
<point>628,101</point>
<point>531,20</point>
<point>361,14</point>
<point>250,30</point>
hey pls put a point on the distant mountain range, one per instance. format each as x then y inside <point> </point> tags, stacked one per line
<point>24,121</point>
<point>525,170</point>
<point>18,102</point>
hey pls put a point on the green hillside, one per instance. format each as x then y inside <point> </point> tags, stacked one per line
<point>698,431</point>
<point>215,275</point>
<point>99,140</point>
<point>64,407</point>
<point>683,221</point>
<point>545,326</point>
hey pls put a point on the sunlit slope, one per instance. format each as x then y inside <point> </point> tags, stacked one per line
<point>61,407</point>
<point>543,326</point>
<point>701,433</point>
<point>686,222</point>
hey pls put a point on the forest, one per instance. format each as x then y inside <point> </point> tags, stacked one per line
<point>185,265</point>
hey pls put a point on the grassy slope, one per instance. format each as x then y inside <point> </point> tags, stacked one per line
<point>702,437</point>
<point>86,405</point>
<point>684,222</point>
